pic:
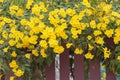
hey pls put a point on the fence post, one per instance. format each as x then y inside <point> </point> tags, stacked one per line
<point>64,65</point>
<point>78,67</point>
<point>95,70</point>
<point>50,72</point>
<point>110,75</point>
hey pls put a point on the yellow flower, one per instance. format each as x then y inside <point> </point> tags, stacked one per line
<point>106,53</point>
<point>12,42</point>
<point>70,11</point>
<point>1,41</point>
<point>89,56</point>
<point>13,64</point>
<point>20,12</point>
<point>6,49</point>
<point>33,39</point>
<point>93,24</point>
<point>89,37</point>
<point>43,54</point>
<point>97,32</point>
<point>53,42</point>
<point>13,9</point>
<point>12,77</point>
<point>90,47</point>
<point>99,40</point>
<point>58,49</point>
<point>74,32</point>
<point>118,22</point>
<point>35,52</point>
<point>107,8</point>
<point>23,22</point>
<point>109,33</point>
<point>89,12</point>
<point>106,19</point>
<point>31,46</point>
<point>25,42</point>
<point>68,45</point>
<point>27,56</point>
<point>78,51</point>
<point>5,34</point>
<point>14,69</point>
<point>7,20</point>
<point>19,73</point>
<point>118,58</point>
<point>43,44</point>
<point>1,0</point>
<point>19,45</point>
<point>116,39</point>
<point>29,3</point>
<point>36,10</point>
<point>13,54</point>
<point>62,12</point>
<point>86,3</point>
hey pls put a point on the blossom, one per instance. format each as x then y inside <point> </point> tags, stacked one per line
<point>12,77</point>
<point>5,34</point>
<point>12,42</point>
<point>106,53</point>
<point>1,41</point>
<point>89,56</point>
<point>90,47</point>
<point>6,49</point>
<point>97,32</point>
<point>36,10</point>
<point>35,52</point>
<point>20,12</point>
<point>68,45</point>
<point>43,44</point>
<point>99,40</point>
<point>70,12</point>
<point>29,3</point>
<point>13,64</point>
<point>89,37</point>
<point>109,33</point>
<point>86,3</point>
<point>78,51</point>
<point>27,55</point>
<point>1,0</point>
<point>19,73</point>
<point>93,24</point>
<point>43,54</point>
<point>118,58</point>
<point>13,54</point>
<point>58,49</point>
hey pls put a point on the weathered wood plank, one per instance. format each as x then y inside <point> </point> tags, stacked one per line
<point>64,65</point>
<point>50,72</point>
<point>94,70</point>
<point>78,67</point>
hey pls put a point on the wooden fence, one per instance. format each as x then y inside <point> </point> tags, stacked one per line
<point>94,69</point>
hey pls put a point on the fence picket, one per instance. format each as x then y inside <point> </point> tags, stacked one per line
<point>64,65</point>
<point>94,70</point>
<point>78,67</point>
<point>110,75</point>
<point>50,72</point>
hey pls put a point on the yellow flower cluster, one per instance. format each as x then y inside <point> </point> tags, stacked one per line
<point>15,10</point>
<point>14,66</point>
